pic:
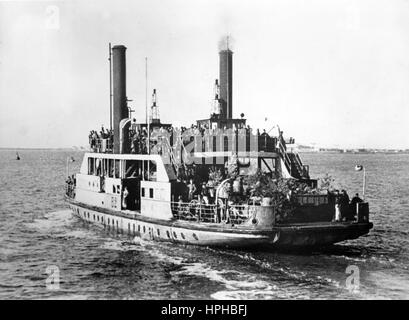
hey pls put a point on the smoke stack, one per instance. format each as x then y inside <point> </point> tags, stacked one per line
<point>120,109</point>
<point>226,83</point>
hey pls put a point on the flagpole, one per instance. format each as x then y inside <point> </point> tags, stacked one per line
<point>364,185</point>
<point>146,107</point>
<point>110,87</point>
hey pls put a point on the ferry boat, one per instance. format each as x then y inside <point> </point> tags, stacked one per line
<point>217,182</point>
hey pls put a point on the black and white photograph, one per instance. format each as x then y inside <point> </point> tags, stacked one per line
<point>207,150</point>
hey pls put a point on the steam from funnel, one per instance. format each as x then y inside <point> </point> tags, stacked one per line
<point>226,43</point>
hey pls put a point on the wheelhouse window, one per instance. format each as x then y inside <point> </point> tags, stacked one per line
<point>111,168</point>
<point>267,165</point>
<point>116,171</point>
<point>149,170</point>
<point>91,166</point>
<point>225,143</point>
<point>105,167</point>
<point>145,170</point>
<point>98,167</point>
<point>152,170</point>
<point>133,168</point>
<point>151,193</point>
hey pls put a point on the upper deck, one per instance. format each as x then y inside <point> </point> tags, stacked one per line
<point>202,145</point>
<point>122,166</point>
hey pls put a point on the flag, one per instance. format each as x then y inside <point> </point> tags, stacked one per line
<point>358,167</point>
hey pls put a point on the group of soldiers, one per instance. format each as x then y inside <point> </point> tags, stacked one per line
<point>345,209</point>
<point>95,137</point>
<point>70,184</point>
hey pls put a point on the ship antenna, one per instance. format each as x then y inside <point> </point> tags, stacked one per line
<point>110,88</point>
<point>146,104</point>
<point>228,93</point>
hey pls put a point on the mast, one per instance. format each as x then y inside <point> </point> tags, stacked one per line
<point>110,88</point>
<point>146,106</point>
<point>228,66</point>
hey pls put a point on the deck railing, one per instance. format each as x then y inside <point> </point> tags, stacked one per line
<point>194,211</point>
<point>211,213</point>
<point>102,145</point>
<point>238,214</point>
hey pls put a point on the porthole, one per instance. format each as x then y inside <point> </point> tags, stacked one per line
<point>139,228</point>
<point>167,233</point>
<point>195,236</point>
<point>108,220</point>
<point>174,234</point>
<point>158,232</point>
<point>133,229</point>
<point>182,235</point>
<point>143,229</point>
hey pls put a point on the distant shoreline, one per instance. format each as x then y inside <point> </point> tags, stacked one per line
<point>59,149</point>
<point>341,152</point>
<point>298,151</point>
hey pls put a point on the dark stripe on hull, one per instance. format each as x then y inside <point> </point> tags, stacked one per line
<point>213,235</point>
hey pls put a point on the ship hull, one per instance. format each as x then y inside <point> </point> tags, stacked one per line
<point>279,237</point>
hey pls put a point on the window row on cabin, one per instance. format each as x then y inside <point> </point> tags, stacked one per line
<point>124,169</point>
<point>152,193</point>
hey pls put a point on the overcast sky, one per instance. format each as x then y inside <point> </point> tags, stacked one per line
<point>334,73</point>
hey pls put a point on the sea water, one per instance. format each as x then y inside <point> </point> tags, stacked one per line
<point>40,239</point>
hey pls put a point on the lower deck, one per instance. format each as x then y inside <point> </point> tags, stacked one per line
<point>294,235</point>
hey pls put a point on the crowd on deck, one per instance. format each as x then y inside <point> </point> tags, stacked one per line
<point>70,186</point>
<point>102,140</point>
<point>345,209</point>
<point>233,192</point>
<point>138,136</point>
<point>96,138</point>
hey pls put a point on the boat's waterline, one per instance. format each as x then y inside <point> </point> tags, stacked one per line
<point>198,234</point>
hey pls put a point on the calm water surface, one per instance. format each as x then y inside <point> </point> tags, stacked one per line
<point>37,230</point>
